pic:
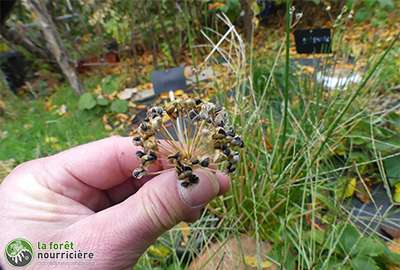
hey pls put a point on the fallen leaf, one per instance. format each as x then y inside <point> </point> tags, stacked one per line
<point>396,196</point>
<point>230,255</point>
<point>362,193</point>
<point>350,187</point>
<point>127,93</point>
<point>216,5</point>
<point>185,230</point>
<point>253,262</point>
<point>159,250</point>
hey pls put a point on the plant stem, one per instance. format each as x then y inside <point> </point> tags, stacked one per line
<point>352,98</point>
<point>286,77</point>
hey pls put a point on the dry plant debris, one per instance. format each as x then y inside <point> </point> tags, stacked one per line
<point>187,134</point>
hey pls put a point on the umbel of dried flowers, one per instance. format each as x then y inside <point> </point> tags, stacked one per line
<point>187,134</point>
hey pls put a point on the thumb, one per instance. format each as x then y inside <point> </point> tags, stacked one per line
<point>124,231</point>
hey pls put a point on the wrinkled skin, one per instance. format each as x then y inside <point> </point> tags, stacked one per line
<point>87,195</point>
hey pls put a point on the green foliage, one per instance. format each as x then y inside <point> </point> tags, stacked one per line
<point>119,106</point>
<point>392,167</point>
<point>87,101</point>
<point>34,132</point>
<point>375,10</point>
<point>102,101</point>
<point>108,86</point>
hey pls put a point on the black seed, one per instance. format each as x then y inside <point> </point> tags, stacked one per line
<point>230,168</point>
<point>238,141</point>
<point>195,162</point>
<point>227,151</point>
<point>138,173</point>
<point>221,124</point>
<point>176,156</point>
<point>144,127</point>
<point>192,114</point>
<point>185,184</point>
<point>137,139</point>
<point>186,168</point>
<point>198,101</point>
<point>153,154</point>
<point>219,145</point>
<point>205,162</point>
<point>193,179</point>
<point>221,131</point>
<point>230,132</point>
<point>140,154</point>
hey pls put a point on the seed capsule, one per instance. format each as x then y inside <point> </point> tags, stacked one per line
<point>139,172</point>
<point>221,118</point>
<point>156,122</point>
<point>193,179</point>
<point>189,103</point>
<point>185,184</point>
<point>234,158</point>
<point>137,141</point>
<point>231,168</point>
<point>140,154</point>
<point>219,157</point>
<point>227,152</point>
<point>205,162</point>
<point>175,157</point>
<point>238,141</point>
<point>230,132</point>
<point>195,162</point>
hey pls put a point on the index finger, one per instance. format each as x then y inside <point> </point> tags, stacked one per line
<point>101,164</point>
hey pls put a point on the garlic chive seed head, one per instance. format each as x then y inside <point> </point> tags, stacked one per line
<point>187,134</point>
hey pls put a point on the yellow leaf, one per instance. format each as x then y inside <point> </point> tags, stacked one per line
<point>50,140</point>
<point>159,251</point>
<point>185,229</point>
<point>215,6</point>
<point>396,196</point>
<point>350,188</point>
<point>252,262</point>
<point>255,8</point>
<point>179,92</point>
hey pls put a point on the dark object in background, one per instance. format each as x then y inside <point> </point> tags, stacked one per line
<point>14,67</point>
<point>313,40</point>
<point>107,59</point>
<point>168,80</point>
<point>5,9</point>
<point>378,216</point>
<point>267,8</point>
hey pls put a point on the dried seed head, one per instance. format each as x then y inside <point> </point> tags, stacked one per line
<point>196,134</point>
<point>139,172</point>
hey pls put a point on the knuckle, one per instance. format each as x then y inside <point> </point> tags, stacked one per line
<point>162,215</point>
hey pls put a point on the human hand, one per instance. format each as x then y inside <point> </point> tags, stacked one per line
<point>86,195</point>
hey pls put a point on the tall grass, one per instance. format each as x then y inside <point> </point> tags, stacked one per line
<point>290,182</point>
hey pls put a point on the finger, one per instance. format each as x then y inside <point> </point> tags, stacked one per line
<point>85,173</point>
<point>102,164</point>
<point>131,226</point>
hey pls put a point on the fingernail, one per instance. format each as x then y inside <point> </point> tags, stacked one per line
<point>197,195</point>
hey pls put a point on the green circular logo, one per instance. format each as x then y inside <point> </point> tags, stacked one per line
<point>19,252</point>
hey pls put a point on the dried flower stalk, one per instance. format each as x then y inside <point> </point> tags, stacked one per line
<point>187,134</point>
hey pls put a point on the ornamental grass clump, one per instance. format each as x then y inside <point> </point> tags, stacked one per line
<point>187,134</point>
